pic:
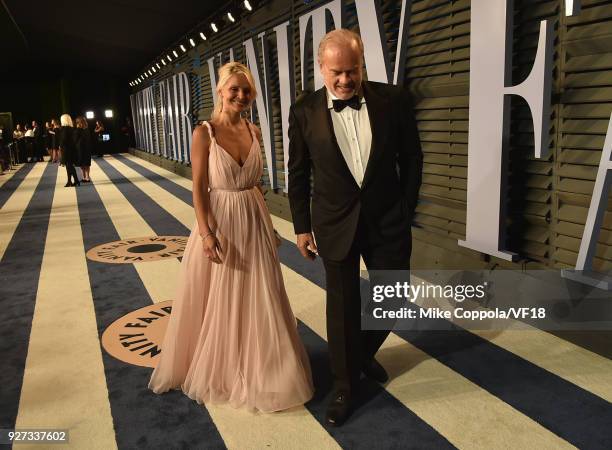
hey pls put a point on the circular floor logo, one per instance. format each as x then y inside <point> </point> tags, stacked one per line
<point>136,338</point>
<point>139,249</point>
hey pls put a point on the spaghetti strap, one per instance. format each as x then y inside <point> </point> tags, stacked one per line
<point>251,128</point>
<point>211,129</point>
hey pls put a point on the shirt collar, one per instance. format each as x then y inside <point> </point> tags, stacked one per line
<point>331,97</point>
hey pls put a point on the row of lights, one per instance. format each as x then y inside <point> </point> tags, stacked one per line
<point>108,113</point>
<point>216,25</point>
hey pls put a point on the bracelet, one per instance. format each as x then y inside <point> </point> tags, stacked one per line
<point>210,233</point>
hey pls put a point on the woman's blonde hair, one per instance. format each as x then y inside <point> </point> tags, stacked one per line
<point>225,73</point>
<point>66,120</point>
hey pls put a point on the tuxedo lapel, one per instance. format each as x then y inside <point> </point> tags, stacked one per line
<point>378,112</point>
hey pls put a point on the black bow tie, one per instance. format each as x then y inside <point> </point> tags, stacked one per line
<point>354,102</point>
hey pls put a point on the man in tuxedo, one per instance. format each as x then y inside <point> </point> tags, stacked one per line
<point>38,142</point>
<point>360,142</point>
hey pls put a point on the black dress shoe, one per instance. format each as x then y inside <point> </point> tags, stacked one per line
<point>338,410</point>
<point>375,371</point>
<point>69,184</point>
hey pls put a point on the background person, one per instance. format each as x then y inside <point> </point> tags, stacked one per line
<point>18,136</point>
<point>99,133</point>
<point>53,132</point>
<point>83,147</point>
<point>38,142</point>
<point>28,138</point>
<point>68,149</point>
<point>47,138</point>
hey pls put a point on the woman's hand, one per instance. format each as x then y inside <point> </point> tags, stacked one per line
<point>212,248</point>
<point>277,238</point>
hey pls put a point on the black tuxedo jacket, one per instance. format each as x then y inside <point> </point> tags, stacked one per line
<point>385,203</point>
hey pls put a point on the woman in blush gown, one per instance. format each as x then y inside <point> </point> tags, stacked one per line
<point>232,337</point>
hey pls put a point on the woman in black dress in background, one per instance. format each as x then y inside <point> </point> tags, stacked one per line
<point>47,138</point>
<point>99,131</point>
<point>55,153</point>
<point>83,147</point>
<point>68,149</point>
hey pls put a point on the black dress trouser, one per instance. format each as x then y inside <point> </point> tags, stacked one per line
<point>349,345</point>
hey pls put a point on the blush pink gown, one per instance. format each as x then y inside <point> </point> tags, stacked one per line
<point>232,337</point>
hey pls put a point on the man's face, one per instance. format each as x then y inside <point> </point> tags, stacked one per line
<point>342,71</point>
<point>34,124</point>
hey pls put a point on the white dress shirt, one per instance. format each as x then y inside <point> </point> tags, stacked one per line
<point>354,136</point>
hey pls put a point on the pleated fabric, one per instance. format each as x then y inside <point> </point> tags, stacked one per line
<point>232,337</point>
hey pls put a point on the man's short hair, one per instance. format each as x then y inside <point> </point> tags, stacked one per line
<point>342,37</point>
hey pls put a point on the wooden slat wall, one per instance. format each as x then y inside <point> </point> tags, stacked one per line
<point>547,199</point>
<point>437,74</point>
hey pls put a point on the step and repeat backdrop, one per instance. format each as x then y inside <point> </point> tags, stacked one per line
<point>530,80</point>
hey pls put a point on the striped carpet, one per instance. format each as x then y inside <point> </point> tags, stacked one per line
<point>511,389</point>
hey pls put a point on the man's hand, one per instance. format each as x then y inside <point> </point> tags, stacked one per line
<point>307,246</point>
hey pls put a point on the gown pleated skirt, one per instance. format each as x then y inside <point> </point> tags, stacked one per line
<point>232,336</point>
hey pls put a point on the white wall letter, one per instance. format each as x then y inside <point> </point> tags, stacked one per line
<point>597,209</point>
<point>264,103</point>
<point>490,71</point>
<point>318,31</point>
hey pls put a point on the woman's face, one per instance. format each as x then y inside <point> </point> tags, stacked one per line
<point>236,94</point>
<point>18,127</point>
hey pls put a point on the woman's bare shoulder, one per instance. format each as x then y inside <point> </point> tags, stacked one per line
<point>200,132</point>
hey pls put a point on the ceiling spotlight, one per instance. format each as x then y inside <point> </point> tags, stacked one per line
<point>163,61</point>
<point>192,42</point>
<point>89,115</point>
<point>149,72</point>
<point>247,5</point>
<point>213,26</point>
<point>108,113</point>
<point>183,48</point>
<point>153,69</point>
<point>230,17</point>
<point>174,53</point>
<point>158,66</point>
<point>169,59</point>
<point>203,36</point>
